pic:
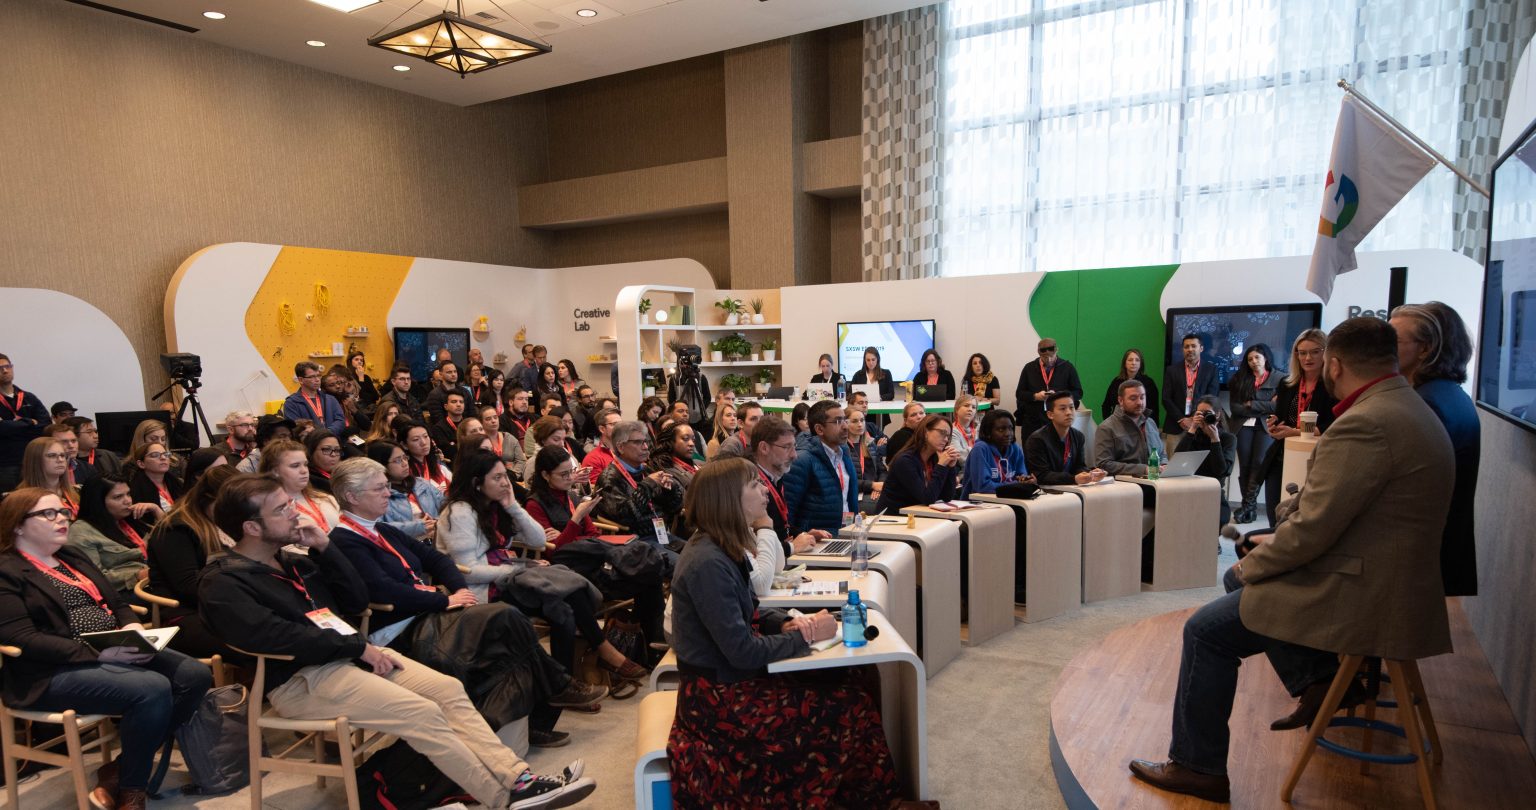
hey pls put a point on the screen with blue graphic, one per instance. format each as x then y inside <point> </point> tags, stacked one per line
<point>900,343</point>
<point>417,347</point>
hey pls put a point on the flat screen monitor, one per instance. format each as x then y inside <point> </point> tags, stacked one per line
<point>901,345</point>
<point>1506,368</point>
<point>1227,332</point>
<point>416,346</point>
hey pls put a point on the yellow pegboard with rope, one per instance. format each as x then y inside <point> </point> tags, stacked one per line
<point>311,297</point>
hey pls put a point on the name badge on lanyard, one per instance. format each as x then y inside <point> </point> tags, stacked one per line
<point>326,620</point>
<point>660,527</point>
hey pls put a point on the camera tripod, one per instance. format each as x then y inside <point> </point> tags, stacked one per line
<point>199,419</point>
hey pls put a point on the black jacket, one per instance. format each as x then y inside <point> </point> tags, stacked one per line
<point>446,437</point>
<point>176,561</point>
<point>906,484</point>
<point>390,584</point>
<point>16,431</point>
<point>921,393</point>
<point>433,404</point>
<point>887,385</point>
<point>1030,414</point>
<point>1173,392</point>
<point>143,490</point>
<point>633,506</point>
<point>1043,452</point>
<point>409,406</point>
<point>1218,462</point>
<point>1112,399</point>
<point>33,617</point>
<point>251,604</point>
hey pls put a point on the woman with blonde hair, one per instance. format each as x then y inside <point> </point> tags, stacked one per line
<point>45,465</point>
<point>1302,390</point>
<point>288,462</point>
<point>382,426</point>
<point>809,740</point>
<point>726,425</point>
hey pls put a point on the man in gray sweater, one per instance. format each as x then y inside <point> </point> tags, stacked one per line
<point>1125,440</point>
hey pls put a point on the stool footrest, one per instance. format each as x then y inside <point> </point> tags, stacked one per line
<point>1374,725</point>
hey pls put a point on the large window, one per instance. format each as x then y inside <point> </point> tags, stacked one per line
<point>1130,132</point>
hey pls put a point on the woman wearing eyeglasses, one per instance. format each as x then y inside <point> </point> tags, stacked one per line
<point>323,451</point>
<point>414,503</point>
<point>152,480</point>
<point>288,462</point>
<point>1302,390</point>
<point>51,594</point>
<point>45,465</point>
<point>111,529</point>
<point>924,471</point>
<point>153,431</point>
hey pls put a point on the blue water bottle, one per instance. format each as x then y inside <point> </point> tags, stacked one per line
<point>854,618</point>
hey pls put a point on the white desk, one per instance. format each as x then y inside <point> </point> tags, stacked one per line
<point>1185,520</point>
<point>1111,538</point>
<point>880,408</point>
<point>897,562</point>
<point>1050,528</point>
<point>872,591</point>
<point>987,536</point>
<point>1295,460</point>
<point>937,545</point>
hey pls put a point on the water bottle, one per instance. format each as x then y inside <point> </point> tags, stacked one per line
<point>859,556</point>
<point>839,389</point>
<point>1153,462</point>
<point>854,618</point>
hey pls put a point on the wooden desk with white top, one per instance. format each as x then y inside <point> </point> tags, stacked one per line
<point>1052,533</point>
<point>987,534</point>
<point>937,545</point>
<point>1185,520</point>
<point>871,587</point>
<point>1111,538</point>
<point>898,563</point>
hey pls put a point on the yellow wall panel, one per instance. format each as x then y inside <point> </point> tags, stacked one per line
<point>362,288</point>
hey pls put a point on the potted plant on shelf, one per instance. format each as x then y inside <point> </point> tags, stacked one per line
<point>675,346</point>
<point>717,351</point>
<point>770,349</point>
<point>650,382</point>
<point>757,310</point>
<point>765,379</point>
<point>736,382</point>
<point>732,309</point>
<point>645,308</point>
<point>736,347</point>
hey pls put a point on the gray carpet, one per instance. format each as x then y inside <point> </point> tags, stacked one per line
<point>988,714</point>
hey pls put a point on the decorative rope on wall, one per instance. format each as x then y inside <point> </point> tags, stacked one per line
<point>285,320</point>
<point>322,298</point>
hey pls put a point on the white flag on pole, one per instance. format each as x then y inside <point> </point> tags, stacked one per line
<point>1372,167</point>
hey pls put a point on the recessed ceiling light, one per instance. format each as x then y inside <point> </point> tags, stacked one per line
<point>401,68</point>
<point>315,43</point>
<point>345,5</point>
<point>213,15</point>
<point>586,12</point>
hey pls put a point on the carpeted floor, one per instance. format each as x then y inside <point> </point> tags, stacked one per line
<point>988,723</point>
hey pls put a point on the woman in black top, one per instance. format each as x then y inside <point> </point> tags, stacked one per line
<point>1253,400</point>
<point>548,384</point>
<point>922,472</point>
<point>152,480</point>
<point>1302,389</point>
<point>872,374</point>
<point>50,595</point>
<point>1132,366</point>
<point>980,382</point>
<point>179,546</point>
<point>930,373</point>
<point>367,389</point>
<point>827,372</point>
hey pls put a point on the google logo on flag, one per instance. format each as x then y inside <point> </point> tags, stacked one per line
<point>1351,199</point>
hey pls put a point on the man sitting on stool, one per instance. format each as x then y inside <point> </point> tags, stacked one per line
<point>1355,570</point>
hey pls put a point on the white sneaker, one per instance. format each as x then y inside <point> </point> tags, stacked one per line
<point>574,770</point>
<point>541,792</point>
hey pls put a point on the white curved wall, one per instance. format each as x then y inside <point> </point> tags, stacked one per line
<point>66,349</point>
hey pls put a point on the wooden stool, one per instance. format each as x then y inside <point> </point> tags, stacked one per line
<point>1409,686</point>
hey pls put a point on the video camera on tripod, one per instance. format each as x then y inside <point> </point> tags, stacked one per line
<point>186,371</point>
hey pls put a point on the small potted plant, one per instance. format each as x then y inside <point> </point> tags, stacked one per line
<point>649,382</point>
<point>736,382</point>
<point>676,347</point>
<point>717,351</point>
<point>732,309</point>
<point>645,308</point>
<point>770,349</point>
<point>736,347</point>
<point>765,379</point>
<point>757,311</point>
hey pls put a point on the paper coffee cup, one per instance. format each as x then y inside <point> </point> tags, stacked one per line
<point>1307,421</point>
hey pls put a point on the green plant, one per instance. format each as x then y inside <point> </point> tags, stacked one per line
<point>675,345</point>
<point>645,305</point>
<point>717,345</point>
<point>729,306</point>
<point>736,345</point>
<point>757,306</point>
<point>765,375</point>
<point>769,345</point>
<point>735,382</point>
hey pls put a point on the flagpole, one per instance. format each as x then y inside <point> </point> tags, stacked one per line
<point>1466,178</point>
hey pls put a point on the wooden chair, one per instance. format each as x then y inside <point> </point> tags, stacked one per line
<point>355,744</point>
<point>155,602</point>
<point>74,724</point>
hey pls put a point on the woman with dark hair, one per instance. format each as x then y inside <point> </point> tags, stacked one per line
<point>1208,431</point>
<point>323,451</point>
<point>931,373</point>
<point>426,463</point>
<point>204,459</point>
<point>996,459</point>
<point>152,480</point>
<point>827,373</point>
<point>50,595</point>
<point>497,382</point>
<point>45,465</point>
<point>673,454</point>
<point>809,739</point>
<point>1133,366</point>
<point>981,382</point>
<point>631,571</point>
<point>480,391</point>
<point>1253,400</point>
<point>357,373</point>
<point>414,504</point>
<point>1433,349</point>
<point>111,529</point>
<point>649,412</point>
<point>871,373</point>
<point>548,384</point>
<point>868,459</point>
<point>924,470</point>
<point>565,374</point>
<point>800,419</point>
<point>178,547</point>
<point>485,530</point>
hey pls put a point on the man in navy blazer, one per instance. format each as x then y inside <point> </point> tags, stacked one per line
<point>312,403</point>
<point>822,486</point>
<point>1179,395</point>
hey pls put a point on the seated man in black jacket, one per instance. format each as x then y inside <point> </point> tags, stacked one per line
<point>642,504</point>
<point>1056,453</point>
<point>272,601</point>
<point>1208,431</point>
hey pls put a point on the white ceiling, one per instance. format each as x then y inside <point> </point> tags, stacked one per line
<point>626,35</point>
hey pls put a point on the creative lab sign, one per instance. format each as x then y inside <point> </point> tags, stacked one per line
<point>584,317</point>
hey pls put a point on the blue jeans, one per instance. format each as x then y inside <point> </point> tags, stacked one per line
<point>153,698</point>
<point>1215,643</point>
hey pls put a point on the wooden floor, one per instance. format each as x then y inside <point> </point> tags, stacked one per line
<point>1114,703</point>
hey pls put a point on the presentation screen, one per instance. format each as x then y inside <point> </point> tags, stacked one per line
<point>1227,332</point>
<point>416,346</point>
<point>1506,368</point>
<point>901,345</point>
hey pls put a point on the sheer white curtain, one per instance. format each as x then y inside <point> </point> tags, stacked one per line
<point>1126,132</point>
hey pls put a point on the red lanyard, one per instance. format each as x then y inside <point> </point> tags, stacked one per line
<point>312,509</point>
<point>1189,378</point>
<point>1046,375</point>
<point>80,580</point>
<point>316,406</point>
<point>1259,383</point>
<point>379,541</point>
<point>773,492</point>
<point>14,409</point>
<point>1066,454</point>
<point>625,473</point>
<point>519,428</point>
<point>970,433</point>
<point>1304,398</point>
<point>91,459</point>
<point>128,532</point>
<point>685,465</point>
<point>298,584</point>
<point>415,504</point>
<point>74,508</point>
<point>496,444</point>
<point>228,442</point>
<point>927,470</point>
<point>452,425</point>
<point>165,494</point>
<point>862,449</point>
<point>427,467</point>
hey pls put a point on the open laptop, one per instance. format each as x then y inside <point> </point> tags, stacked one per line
<point>931,393</point>
<point>1184,464</point>
<point>819,390</point>
<point>870,390</point>
<point>837,548</point>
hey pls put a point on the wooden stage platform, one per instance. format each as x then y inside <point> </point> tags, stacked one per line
<point>1114,703</point>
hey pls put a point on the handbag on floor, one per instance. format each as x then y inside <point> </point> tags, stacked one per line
<point>401,778</point>
<point>622,631</point>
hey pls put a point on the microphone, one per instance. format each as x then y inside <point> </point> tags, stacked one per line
<point>871,633</point>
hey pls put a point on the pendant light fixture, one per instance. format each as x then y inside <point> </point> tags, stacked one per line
<point>464,46</point>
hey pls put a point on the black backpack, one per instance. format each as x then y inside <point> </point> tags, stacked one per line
<point>400,778</point>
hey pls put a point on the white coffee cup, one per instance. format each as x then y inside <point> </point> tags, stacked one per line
<point>1307,420</point>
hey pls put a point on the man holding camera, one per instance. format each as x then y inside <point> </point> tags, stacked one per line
<point>1207,430</point>
<point>1040,377</point>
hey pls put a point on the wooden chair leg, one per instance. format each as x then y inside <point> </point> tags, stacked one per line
<point>348,765</point>
<point>319,759</point>
<point>76,761</point>
<point>12,772</point>
<point>1347,669</point>
<point>1365,743</point>
<point>1416,681</point>
<point>1401,686</point>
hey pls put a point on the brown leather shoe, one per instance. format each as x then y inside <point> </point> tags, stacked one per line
<point>103,799</point>
<point>1311,701</point>
<point>1175,778</point>
<point>131,799</point>
<point>106,778</point>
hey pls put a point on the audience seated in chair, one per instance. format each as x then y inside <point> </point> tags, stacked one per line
<point>639,502</point>
<point>110,530</point>
<point>180,545</point>
<point>821,488</point>
<point>414,504</point>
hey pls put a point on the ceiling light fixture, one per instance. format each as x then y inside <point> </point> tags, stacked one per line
<point>345,5</point>
<point>213,15</point>
<point>315,43</point>
<point>463,46</point>
<point>586,12</point>
<point>401,68</point>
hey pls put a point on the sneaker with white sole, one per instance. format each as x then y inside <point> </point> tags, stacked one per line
<point>574,770</point>
<point>535,792</point>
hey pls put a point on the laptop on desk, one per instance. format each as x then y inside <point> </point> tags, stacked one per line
<point>931,393</point>
<point>1184,464</point>
<point>836,548</point>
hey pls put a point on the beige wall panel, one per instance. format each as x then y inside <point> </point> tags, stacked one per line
<point>831,168</point>
<point>846,240</point>
<point>702,237</point>
<point>690,187</point>
<point>759,140</point>
<point>845,80</point>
